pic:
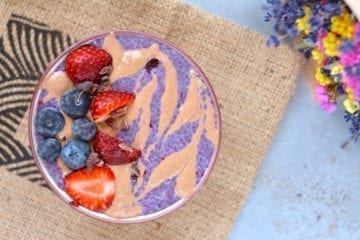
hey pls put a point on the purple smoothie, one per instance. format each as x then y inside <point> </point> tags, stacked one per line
<point>198,133</point>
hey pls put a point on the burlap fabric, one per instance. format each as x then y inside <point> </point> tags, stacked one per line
<point>253,84</point>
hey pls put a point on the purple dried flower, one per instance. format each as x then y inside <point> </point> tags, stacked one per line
<point>313,37</point>
<point>315,23</point>
<point>273,41</point>
<point>292,32</point>
<point>268,17</point>
<point>332,8</point>
<point>354,120</point>
<point>347,46</point>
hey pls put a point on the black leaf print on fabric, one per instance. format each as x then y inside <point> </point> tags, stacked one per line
<point>26,48</point>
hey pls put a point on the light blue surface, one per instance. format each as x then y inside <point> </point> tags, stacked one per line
<point>307,186</point>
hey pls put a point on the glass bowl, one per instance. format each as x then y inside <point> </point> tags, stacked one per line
<point>176,123</point>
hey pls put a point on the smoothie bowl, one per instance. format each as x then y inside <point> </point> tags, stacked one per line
<point>124,127</point>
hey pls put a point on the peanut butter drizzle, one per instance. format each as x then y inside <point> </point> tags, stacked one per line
<point>186,180</point>
<point>66,132</point>
<point>140,179</point>
<point>105,128</point>
<point>64,169</point>
<point>134,60</point>
<point>188,111</point>
<point>123,204</point>
<point>173,164</point>
<point>170,96</point>
<point>142,101</point>
<point>56,84</point>
<point>129,62</point>
<point>112,46</point>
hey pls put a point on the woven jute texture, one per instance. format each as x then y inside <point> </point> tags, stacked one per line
<point>253,84</point>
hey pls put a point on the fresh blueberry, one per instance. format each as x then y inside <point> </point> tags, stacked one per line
<point>49,150</point>
<point>75,103</point>
<point>84,129</point>
<point>75,153</point>
<point>49,122</point>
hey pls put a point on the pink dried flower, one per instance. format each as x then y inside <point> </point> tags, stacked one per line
<point>326,102</point>
<point>357,32</point>
<point>319,43</point>
<point>350,58</point>
<point>354,84</point>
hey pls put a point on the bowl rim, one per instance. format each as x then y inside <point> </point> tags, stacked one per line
<point>89,213</point>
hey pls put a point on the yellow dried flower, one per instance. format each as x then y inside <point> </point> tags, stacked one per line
<point>317,55</point>
<point>343,25</point>
<point>331,44</point>
<point>351,106</point>
<point>336,69</point>
<point>303,23</point>
<point>322,79</point>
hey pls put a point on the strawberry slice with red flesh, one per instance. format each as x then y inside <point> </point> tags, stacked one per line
<point>88,63</point>
<point>93,189</point>
<point>112,151</point>
<point>107,102</point>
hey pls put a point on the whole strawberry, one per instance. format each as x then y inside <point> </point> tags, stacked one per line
<point>88,63</point>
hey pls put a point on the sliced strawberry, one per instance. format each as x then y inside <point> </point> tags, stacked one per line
<point>107,102</point>
<point>88,63</point>
<point>93,189</point>
<point>112,151</point>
